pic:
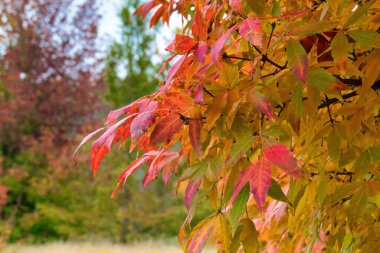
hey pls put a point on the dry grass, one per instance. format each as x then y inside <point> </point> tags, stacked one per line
<point>146,247</point>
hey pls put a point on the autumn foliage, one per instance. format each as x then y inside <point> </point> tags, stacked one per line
<point>270,115</point>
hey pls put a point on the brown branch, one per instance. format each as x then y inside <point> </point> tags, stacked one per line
<point>208,92</point>
<point>264,58</point>
<point>331,101</point>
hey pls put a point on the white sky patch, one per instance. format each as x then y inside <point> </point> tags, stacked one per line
<point>110,23</point>
<point>355,8</point>
<point>110,28</point>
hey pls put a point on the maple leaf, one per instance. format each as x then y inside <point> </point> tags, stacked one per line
<point>216,49</point>
<point>195,127</point>
<point>199,236</point>
<point>280,155</point>
<point>145,8</point>
<point>201,51</point>
<point>191,189</point>
<point>262,104</point>
<point>251,30</point>
<point>260,181</point>
<point>143,120</point>
<point>181,44</point>
<point>128,171</point>
<point>166,128</point>
<point>297,58</point>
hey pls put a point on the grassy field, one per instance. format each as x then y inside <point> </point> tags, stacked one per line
<point>146,247</point>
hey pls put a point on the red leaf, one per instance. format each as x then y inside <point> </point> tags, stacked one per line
<point>101,146</point>
<point>142,121</point>
<point>201,52</point>
<point>166,128</point>
<point>243,180</point>
<point>262,104</point>
<point>281,156</point>
<point>128,171</point>
<point>191,189</point>
<point>181,44</point>
<point>216,49</point>
<point>251,30</point>
<point>259,182</point>
<point>195,127</point>
<point>156,16</point>
<point>97,155</point>
<point>199,28</point>
<point>145,8</point>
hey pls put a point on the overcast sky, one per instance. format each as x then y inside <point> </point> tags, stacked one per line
<point>109,26</point>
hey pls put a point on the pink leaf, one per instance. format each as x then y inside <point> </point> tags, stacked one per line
<point>153,170</point>
<point>191,189</point>
<point>142,121</point>
<point>113,115</point>
<point>281,156</point>
<point>251,30</point>
<point>86,139</point>
<point>262,104</point>
<point>216,49</point>
<point>201,52</point>
<point>198,93</point>
<point>260,180</point>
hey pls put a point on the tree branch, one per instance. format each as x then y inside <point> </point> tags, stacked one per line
<point>330,101</point>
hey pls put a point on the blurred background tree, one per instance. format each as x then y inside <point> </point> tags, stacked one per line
<point>129,71</point>
<point>50,88</point>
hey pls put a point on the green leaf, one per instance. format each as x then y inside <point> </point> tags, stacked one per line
<point>333,144</point>
<point>247,235</point>
<point>276,192</point>
<point>240,148</point>
<point>375,154</point>
<point>239,207</point>
<point>297,58</point>
<point>362,163</point>
<point>258,6</point>
<point>297,99</point>
<point>222,233</point>
<point>320,79</point>
<point>366,38</point>
<point>229,75</point>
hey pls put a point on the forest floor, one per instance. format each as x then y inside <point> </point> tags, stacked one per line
<point>67,247</point>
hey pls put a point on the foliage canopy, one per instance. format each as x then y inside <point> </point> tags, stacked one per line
<point>270,113</point>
